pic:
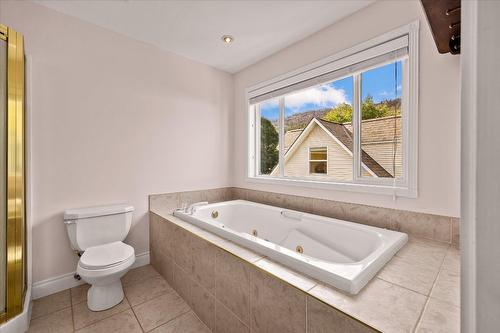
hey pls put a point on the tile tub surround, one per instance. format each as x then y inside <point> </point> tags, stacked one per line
<point>150,305</point>
<point>233,289</point>
<point>435,227</point>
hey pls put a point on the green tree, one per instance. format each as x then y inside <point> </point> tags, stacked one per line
<point>342,113</point>
<point>370,110</point>
<point>269,140</point>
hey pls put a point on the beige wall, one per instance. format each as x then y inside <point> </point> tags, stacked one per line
<point>439,122</point>
<point>113,121</point>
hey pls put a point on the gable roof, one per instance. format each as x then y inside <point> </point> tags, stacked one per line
<point>379,129</point>
<point>342,134</point>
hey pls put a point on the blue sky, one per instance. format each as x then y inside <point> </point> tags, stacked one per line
<point>378,82</point>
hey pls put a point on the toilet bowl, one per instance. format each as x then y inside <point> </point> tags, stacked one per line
<point>96,234</point>
<point>102,267</point>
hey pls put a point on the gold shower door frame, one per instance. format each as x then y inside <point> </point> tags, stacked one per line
<point>16,214</point>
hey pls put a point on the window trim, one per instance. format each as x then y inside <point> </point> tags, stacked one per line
<point>309,160</point>
<point>404,188</point>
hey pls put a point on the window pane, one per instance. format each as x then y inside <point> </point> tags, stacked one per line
<point>317,154</point>
<point>317,167</point>
<point>268,117</point>
<point>381,126</point>
<point>315,117</point>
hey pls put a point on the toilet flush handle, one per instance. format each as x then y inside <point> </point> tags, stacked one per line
<point>69,221</point>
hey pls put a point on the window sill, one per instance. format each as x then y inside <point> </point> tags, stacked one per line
<point>337,186</point>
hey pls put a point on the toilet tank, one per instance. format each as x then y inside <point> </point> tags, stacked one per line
<point>99,225</point>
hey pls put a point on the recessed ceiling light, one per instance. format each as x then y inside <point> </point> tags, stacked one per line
<point>227,39</point>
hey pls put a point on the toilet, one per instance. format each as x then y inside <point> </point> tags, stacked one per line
<point>97,234</point>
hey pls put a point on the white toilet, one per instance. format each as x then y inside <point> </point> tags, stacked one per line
<point>96,233</point>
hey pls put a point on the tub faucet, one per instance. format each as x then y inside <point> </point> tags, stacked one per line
<point>192,207</point>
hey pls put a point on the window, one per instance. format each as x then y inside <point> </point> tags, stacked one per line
<point>318,161</point>
<point>345,122</point>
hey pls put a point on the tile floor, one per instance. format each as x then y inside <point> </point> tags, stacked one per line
<point>150,305</point>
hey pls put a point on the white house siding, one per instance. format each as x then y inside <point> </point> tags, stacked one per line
<point>377,137</point>
<point>339,160</point>
<point>382,152</point>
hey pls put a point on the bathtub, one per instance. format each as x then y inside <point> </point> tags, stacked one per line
<point>343,254</point>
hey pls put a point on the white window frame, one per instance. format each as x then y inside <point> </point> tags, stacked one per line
<point>309,160</point>
<point>407,185</point>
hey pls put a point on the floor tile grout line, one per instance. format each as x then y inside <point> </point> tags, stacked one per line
<point>50,313</point>
<point>136,318</point>
<point>112,315</point>
<point>406,288</point>
<point>420,317</point>
<point>194,313</point>
<point>72,315</point>
<point>430,292</point>
<point>168,321</point>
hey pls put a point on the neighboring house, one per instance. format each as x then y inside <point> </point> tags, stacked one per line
<point>323,149</point>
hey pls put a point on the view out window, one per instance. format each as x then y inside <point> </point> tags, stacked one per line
<point>318,160</point>
<point>348,122</point>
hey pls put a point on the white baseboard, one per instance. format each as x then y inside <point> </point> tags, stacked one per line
<point>66,281</point>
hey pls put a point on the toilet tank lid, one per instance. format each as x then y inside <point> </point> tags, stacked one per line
<point>82,213</point>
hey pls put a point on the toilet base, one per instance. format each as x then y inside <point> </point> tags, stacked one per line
<point>103,297</point>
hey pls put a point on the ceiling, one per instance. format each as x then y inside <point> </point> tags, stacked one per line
<point>194,28</point>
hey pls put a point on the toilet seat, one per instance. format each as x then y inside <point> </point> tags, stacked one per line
<point>106,256</point>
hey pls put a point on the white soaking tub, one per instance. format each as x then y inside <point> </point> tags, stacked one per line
<point>343,254</point>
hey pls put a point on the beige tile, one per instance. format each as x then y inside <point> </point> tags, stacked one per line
<point>217,195</point>
<point>182,283</point>
<point>227,322</point>
<point>374,216</point>
<point>161,236</point>
<point>426,252</point>
<point>203,268</point>
<point>139,274</point>
<point>447,287</point>
<point>275,306</point>
<point>56,322</point>
<point>294,202</point>
<point>322,318</point>
<point>52,303</point>
<point>232,284</point>
<point>79,294</point>
<point>328,208</point>
<point>208,236</point>
<point>452,260</point>
<point>455,232</point>
<point>410,273</point>
<point>163,203</point>
<point>160,310</point>
<point>83,317</point>
<point>440,317</point>
<point>423,225</point>
<point>157,234</point>
<point>238,193</point>
<point>154,257</point>
<point>380,304</point>
<point>203,304</point>
<point>182,248</point>
<point>164,265</point>
<point>138,293</point>
<point>240,251</point>
<point>191,197</point>
<point>187,323</point>
<point>123,322</point>
<point>296,279</point>
<point>257,196</point>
